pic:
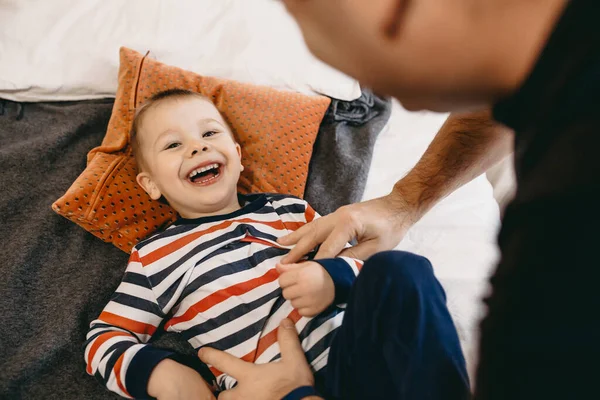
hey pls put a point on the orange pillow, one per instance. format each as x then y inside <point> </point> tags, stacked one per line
<point>276,130</point>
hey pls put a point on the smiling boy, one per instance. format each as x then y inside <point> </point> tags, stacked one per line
<point>215,277</point>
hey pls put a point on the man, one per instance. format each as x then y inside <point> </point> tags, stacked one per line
<point>537,63</point>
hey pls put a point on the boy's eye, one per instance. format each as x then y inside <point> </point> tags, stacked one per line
<point>172,146</point>
<point>209,133</point>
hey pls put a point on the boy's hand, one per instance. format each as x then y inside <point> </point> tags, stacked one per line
<point>308,286</point>
<point>173,381</point>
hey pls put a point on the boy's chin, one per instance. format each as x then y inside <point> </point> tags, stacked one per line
<point>214,204</point>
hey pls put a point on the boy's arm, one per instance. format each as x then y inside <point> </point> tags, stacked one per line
<point>343,270</point>
<point>116,352</point>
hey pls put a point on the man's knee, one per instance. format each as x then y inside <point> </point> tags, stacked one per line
<point>402,268</point>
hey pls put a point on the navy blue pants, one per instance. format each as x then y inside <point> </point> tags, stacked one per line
<point>397,339</point>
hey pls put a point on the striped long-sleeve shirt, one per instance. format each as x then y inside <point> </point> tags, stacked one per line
<point>213,280</point>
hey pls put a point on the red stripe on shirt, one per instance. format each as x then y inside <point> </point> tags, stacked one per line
<point>359,264</point>
<point>252,239</point>
<point>117,369</point>
<point>270,338</point>
<point>135,257</point>
<point>99,341</point>
<point>183,241</point>
<point>294,226</point>
<point>222,295</point>
<point>309,214</point>
<point>126,323</point>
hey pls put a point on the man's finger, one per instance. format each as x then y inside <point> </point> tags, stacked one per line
<point>303,247</point>
<point>289,343</point>
<point>362,251</point>
<point>335,242</point>
<point>224,362</point>
<point>294,237</point>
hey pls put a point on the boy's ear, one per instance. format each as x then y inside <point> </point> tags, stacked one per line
<point>239,150</point>
<point>145,181</point>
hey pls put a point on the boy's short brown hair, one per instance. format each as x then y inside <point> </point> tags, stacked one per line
<point>144,108</point>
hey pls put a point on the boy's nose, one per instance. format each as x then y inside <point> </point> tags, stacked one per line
<point>196,150</point>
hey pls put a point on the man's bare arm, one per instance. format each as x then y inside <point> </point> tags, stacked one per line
<point>465,147</point>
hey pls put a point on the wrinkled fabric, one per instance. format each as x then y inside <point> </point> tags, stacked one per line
<point>56,277</point>
<point>342,154</point>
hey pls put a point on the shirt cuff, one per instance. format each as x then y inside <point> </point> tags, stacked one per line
<point>342,275</point>
<point>140,368</point>
<point>300,393</point>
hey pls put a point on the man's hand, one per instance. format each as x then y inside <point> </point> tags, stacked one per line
<point>264,381</point>
<point>464,148</point>
<point>308,286</point>
<point>173,381</point>
<point>378,225</point>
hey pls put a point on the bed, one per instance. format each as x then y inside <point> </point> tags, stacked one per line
<point>58,63</point>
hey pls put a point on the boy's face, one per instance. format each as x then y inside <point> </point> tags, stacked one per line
<point>189,157</point>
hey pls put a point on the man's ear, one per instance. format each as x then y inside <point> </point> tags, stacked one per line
<point>394,18</point>
<point>239,151</point>
<point>145,181</point>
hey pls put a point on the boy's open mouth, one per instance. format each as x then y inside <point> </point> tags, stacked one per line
<point>205,175</point>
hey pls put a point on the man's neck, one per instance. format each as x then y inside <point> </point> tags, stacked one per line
<point>516,32</point>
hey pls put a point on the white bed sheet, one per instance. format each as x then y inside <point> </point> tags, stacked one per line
<point>458,235</point>
<point>69,49</point>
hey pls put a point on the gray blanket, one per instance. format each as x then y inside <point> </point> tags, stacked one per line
<point>55,277</point>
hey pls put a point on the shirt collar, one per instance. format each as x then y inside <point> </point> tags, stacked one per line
<point>250,203</point>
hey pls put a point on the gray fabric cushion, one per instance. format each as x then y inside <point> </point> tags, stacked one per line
<point>342,154</point>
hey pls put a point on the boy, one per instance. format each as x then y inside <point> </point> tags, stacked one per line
<point>213,275</point>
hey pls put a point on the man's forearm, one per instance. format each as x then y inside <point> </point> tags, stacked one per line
<point>466,146</point>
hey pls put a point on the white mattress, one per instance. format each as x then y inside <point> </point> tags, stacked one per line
<point>458,235</point>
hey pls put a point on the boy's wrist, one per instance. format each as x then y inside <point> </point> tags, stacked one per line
<point>163,378</point>
<point>141,368</point>
<point>342,276</point>
<point>302,392</point>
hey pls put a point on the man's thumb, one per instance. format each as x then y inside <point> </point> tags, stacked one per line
<point>289,343</point>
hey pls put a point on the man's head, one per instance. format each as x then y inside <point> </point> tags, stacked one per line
<point>186,153</point>
<point>437,54</point>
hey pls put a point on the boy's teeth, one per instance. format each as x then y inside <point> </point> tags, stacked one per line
<point>203,169</point>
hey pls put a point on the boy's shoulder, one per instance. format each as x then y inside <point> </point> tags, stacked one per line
<point>280,197</point>
<point>282,202</point>
<point>166,233</point>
